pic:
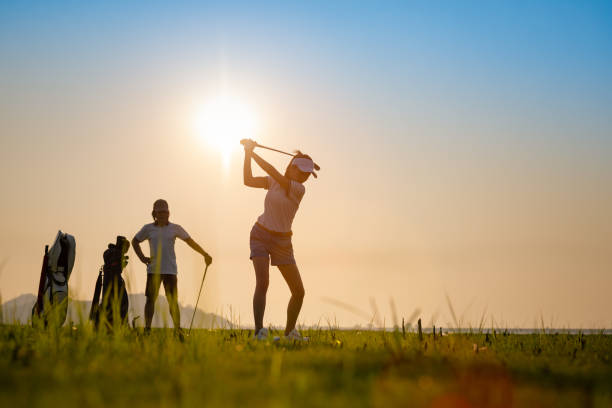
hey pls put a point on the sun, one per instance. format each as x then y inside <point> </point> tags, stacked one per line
<point>223,121</point>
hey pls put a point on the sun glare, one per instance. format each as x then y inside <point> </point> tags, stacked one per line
<point>223,122</point>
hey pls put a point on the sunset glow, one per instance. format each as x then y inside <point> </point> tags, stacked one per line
<point>465,151</point>
<point>222,122</point>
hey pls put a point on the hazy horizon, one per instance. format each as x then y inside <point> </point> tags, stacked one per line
<point>465,150</point>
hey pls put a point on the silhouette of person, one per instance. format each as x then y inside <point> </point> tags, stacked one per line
<point>270,238</point>
<point>161,265</point>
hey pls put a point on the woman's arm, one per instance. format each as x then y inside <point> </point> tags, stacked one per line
<point>196,247</point>
<point>247,174</point>
<point>268,168</point>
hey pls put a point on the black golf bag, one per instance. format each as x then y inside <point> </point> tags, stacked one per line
<point>52,300</point>
<point>113,307</point>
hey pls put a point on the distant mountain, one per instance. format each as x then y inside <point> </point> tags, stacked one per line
<point>19,310</point>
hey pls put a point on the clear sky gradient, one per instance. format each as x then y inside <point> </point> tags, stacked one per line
<point>465,150</point>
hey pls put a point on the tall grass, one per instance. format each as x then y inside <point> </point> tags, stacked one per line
<point>118,366</point>
<point>80,366</point>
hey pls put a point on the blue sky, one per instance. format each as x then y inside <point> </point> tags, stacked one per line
<point>509,58</point>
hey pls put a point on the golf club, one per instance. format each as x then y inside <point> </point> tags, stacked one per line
<point>276,150</point>
<point>197,301</point>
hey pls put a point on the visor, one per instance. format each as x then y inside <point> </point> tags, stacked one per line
<point>304,164</point>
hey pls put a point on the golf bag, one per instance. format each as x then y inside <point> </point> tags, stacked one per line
<point>52,300</point>
<point>114,303</point>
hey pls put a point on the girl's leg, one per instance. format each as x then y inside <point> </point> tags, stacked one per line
<point>294,280</point>
<point>151,291</point>
<point>262,277</point>
<point>171,289</point>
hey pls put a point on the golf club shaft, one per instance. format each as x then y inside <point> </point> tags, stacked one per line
<point>198,301</point>
<point>275,150</point>
<point>316,166</point>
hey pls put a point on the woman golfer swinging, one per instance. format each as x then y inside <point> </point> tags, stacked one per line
<point>270,238</point>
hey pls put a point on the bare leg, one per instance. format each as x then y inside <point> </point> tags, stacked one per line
<point>149,310</point>
<point>175,312</point>
<point>152,290</point>
<point>170,286</point>
<point>262,277</point>
<point>294,280</point>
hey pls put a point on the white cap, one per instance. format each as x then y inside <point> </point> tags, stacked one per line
<point>305,164</point>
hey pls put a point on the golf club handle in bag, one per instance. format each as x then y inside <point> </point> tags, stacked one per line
<point>95,303</point>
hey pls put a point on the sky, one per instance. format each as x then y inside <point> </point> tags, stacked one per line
<point>465,151</point>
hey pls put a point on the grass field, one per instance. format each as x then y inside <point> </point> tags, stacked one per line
<point>75,366</point>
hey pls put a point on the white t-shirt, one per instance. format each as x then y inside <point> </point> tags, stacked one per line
<point>162,239</point>
<point>280,207</point>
